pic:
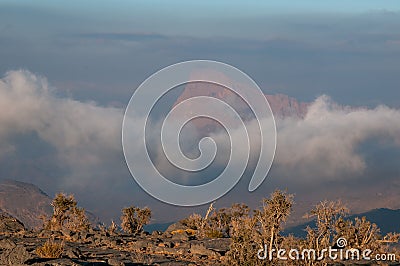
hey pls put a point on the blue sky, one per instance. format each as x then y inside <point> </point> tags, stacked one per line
<point>347,49</point>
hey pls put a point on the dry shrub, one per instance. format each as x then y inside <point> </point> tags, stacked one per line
<point>194,221</point>
<point>251,233</point>
<point>262,230</point>
<point>362,234</point>
<point>211,233</point>
<point>50,249</point>
<point>134,218</point>
<point>243,249</point>
<point>327,214</point>
<point>66,214</point>
<point>112,229</point>
<point>215,223</point>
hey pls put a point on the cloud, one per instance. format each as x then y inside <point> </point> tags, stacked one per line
<point>114,36</point>
<point>326,143</point>
<point>84,134</point>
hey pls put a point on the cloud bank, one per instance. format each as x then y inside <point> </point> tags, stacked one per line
<point>326,145</point>
<point>84,134</point>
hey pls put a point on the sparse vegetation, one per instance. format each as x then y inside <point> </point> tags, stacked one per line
<point>251,233</point>
<point>133,219</point>
<point>66,214</point>
<point>248,231</point>
<point>215,223</point>
<point>50,250</point>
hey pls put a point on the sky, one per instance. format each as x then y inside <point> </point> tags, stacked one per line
<point>349,50</point>
<point>64,63</point>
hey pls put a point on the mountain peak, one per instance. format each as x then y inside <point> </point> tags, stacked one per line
<point>282,105</point>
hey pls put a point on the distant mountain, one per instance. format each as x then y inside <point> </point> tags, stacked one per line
<point>24,201</point>
<point>28,203</point>
<point>157,227</point>
<point>386,219</point>
<point>281,105</point>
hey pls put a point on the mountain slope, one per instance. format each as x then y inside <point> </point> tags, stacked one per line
<point>24,201</point>
<point>28,203</point>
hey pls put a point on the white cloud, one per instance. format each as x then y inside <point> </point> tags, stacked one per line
<point>84,134</point>
<point>325,144</point>
<point>87,137</point>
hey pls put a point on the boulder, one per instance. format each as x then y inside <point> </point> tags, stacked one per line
<point>17,255</point>
<point>9,224</point>
<point>74,253</point>
<point>7,244</point>
<point>176,227</point>
<point>115,262</point>
<point>200,249</point>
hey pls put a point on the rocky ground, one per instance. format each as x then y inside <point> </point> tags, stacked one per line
<point>175,246</point>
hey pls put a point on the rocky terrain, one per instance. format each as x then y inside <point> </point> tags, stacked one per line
<point>66,239</point>
<point>176,246</point>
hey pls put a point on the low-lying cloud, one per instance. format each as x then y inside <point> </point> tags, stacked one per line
<point>325,145</point>
<point>84,134</point>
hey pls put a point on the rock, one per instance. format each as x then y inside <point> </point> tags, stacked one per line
<point>220,245</point>
<point>176,227</point>
<point>74,253</point>
<point>179,232</point>
<point>170,251</point>
<point>182,245</point>
<point>115,262</point>
<point>15,256</point>
<point>66,232</point>
<point>200,249</point>
<point>144,233</point>
<point>58,262</point>
<point>45,233</point>
<point>141,244</point>
<point>174,263</point>
<point>166,244</point>
<point>7,244</point>
<point>9,224</point>
<point>180,237</point>
<point>156,233</point>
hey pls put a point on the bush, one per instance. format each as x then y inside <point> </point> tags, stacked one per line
<point>50,250</point>
<point>134,218</point>
<point>66,214</point>
<point>215,223</point>
<point>251,233</point>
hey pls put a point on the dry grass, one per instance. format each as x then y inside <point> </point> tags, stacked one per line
<point>189,232</point>
<point>50,250</point>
